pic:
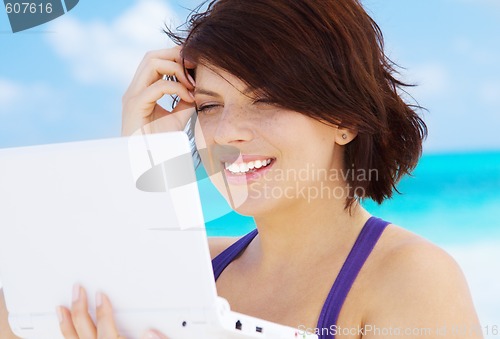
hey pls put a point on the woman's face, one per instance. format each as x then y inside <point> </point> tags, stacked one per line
<point>259,156</point>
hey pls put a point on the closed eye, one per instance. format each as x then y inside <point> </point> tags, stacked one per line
<point>209,108</point>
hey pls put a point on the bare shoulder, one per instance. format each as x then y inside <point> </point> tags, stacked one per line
<point>419,285</point>
<point>402,251</point>
<point>219,244</point>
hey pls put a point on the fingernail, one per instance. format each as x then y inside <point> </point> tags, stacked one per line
<point>76,292</point>
<point>98,299</point>
<point>59,314</point>
<point>152,335</point>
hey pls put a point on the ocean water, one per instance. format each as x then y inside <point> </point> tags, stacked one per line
<point>453,200</point>
<point>450,199</point>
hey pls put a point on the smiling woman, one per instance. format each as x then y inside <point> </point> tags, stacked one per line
<point>287,94</point>
<point>326,62</point>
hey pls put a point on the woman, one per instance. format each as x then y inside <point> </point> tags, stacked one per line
<point>297,106</point>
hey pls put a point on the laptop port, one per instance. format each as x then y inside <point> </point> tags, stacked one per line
<point>239,325</point>
<point>258,329</point>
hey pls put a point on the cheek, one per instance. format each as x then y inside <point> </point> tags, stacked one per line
<point>200,140</point>
<point>205,145</point>
<point>309,150</point>
<point>203,132</point>
<point>199,137</point>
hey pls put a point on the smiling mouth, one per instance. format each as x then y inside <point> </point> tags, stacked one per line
<point>247,167</point>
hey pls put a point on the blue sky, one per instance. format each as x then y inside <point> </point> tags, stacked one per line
<point>63,81</point>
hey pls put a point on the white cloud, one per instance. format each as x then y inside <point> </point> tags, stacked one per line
<point>109,52</point>
<point>9,93</point>
<point>36,97</point>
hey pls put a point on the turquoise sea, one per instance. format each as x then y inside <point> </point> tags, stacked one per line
<point>452,200</point>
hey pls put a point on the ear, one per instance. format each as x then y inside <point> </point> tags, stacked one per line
<point>343,136</point>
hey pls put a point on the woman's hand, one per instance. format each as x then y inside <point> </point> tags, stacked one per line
<point>5,330</point>
<point>140,107</point>
<point>77,323</point>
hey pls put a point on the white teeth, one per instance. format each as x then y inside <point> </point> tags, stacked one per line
<point>246,167</point>
<point>233,168</point>
<point>243,168</point>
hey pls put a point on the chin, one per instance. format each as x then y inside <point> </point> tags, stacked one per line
<point>246,200</point>
<point>255,208</point>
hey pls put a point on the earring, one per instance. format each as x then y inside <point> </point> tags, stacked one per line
<point>344,136</point>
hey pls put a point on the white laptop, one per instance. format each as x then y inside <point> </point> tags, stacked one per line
<point>121,216</point>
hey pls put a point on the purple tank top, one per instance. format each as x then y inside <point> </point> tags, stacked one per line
<point>367,238</point>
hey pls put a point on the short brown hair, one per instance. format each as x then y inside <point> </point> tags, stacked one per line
<point>324,59</point>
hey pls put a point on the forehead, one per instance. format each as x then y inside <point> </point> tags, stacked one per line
<point>209,77</point>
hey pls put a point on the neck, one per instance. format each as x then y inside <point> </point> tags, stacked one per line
<point>308,231</point>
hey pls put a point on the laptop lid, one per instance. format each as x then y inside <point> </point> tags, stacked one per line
<point>64,206</point>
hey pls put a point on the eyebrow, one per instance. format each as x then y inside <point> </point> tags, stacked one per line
<point>198,90</point>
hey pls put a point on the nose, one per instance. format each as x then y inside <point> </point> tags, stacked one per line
<point>233,127</point>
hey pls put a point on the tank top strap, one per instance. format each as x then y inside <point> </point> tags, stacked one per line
<point>365,242</point>
<point>220,262</point>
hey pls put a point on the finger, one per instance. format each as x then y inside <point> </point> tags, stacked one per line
<point>183,112</point>
<point>82,321</point>
<point>163,87</point>
<point>166,67</point>
<point>66,323</point>
<point>155,69</point>
<point>163,121</point>
<point>171,121</point>
<point>5,328</point>
<point>153,334</point>
<point>106,326</point>
<point>171,54</point>
<point>174,53</point>
<point>165,54</point>
<point>143,104</point>
<point>188,64</point>
<point>159,89</point>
